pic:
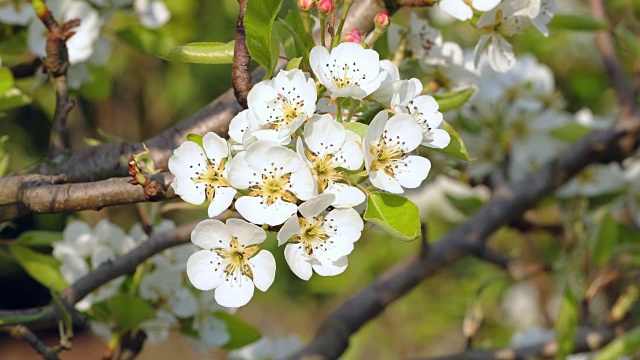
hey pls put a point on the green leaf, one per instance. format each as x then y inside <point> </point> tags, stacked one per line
<point>148,41</point>
<point>628,40</point>
<point>39,238</point>
<point>202,53</point>
<point>604,240</point>
<point>357,128</point>
<point>453,100</point>
<point>368,115</point>
<point>294,64</point>
<point>242,333</point>
<point>6,79</point>
<point>299,47</point>
<point>627,344</point>
<point>567,324</point>
<point>258,24</point>
<point>43,268</point>
<point>569,133</point>
<point>100,86</point>
<point>577,22</point>
<point>467,205</point>
<point>456,147</point>
<point>12,99</point>
<point>195,138</point>
<point>125,311</point>
<point>395,214</point>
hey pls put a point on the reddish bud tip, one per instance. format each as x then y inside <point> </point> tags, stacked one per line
<point>306,5</point>
<point>382,20</point>
<point>353,36</point>
<point>325,6</point>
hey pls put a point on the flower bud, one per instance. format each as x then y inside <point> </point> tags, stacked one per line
<point>306,5</point>
<point>353,36</point>
<point>325,6</point>
<point>382,20</point>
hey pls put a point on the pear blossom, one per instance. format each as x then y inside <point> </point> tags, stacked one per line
<point>283,103</point>
<point>16,12</point>
<point>424,110</point>
<point>391,82</point>
<point>540,12</point>
<point>201,173</point>
<point>386,148</point>
<point>502,20</point>
<point>266,349</point>
<point>276,177</point>
<point>463,10</point>
<point>320,241</point>
<point>210,330</point>
<point>330,149</point>
<point>152,13</point>
<point>348,71</point>
<point>231,260</point>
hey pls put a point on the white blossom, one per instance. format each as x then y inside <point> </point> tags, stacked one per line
<point>386,148</point>
<point>152,13</point>
<point>331,150</point>
<point>320,241</point>
<point>276,177</point>
<point>201,173</point>
<point>348,71</point>
<point>231,261</point>
<point>463,10</point>
<point>268,349</point>
<point>16,12</point>
<point>424,110</point>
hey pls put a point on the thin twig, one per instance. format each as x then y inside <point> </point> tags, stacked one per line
<point>22,333</point>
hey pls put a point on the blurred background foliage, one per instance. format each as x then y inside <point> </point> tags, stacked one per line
<point>137,95</point>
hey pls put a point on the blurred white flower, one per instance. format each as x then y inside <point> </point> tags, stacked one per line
<point>16,12</point>
<point>463,10</point>
<point>268,349</point>
<point>152,13</point>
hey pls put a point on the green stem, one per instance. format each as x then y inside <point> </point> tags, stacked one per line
<point>338,33</point>
<point>307,27</point>
<point>339,109</point>
<point>323,20</point>
<point>352,109</point>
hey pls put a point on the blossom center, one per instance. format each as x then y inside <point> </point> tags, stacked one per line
<point>236,258</point>
<point>212,178</point>
<point>418,116</point>
<point>387,154</point>
<point>343,76</point>
<point>272,188</point>
<point>324,169</point>
<point>285,109</point>
<point>312,235</point>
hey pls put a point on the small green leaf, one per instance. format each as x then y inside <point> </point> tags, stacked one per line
<point>467,205</point>
<point>294,63</point>
<point>298,44</point>
<point>195,138</point>
<point>628,40</point>
<point>567,324</point>
<point>6,79</point>
<point>125,311</point>
<point>258,24</point>
<point>241,333</point>
<point>202,53</point>
<point>604,240</point>
<point>4,155</point>
<point>149,41</point>
<point>43,268</point>
<point>395,214</point>
<point>627,344</point>
<point>39,238</point>
<point>357,128</point>
<point>577,22</point>
<point>368,115</point>
<point>12,99</point>
<point>456,147</point>
<point>100,86</point>
<point>453,100</point>
<point>569,133</point>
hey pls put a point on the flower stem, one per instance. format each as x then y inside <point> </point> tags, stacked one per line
<point>364,189</point>
<point>339,109</point>
<point>338,33</point>
<point>352,109</point>
<point>323,20</point>
<point>307,27</point>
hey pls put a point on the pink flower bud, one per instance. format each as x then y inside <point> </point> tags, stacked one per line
<point>353,36</point>
<point>306,5</point>
<point>325,6</point>
<point>382,20</point>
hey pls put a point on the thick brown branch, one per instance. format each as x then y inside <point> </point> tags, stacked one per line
<point>240,74</point>
<point>587,339</point>
<point>100,276</point>
<point>44,197</point>
<point>22,333</point>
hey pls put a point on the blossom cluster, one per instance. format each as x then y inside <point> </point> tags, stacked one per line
<point>294,164</point>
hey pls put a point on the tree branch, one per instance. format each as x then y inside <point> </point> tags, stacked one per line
<point>587,339</point>
<point>45,197</point>
<point>240,74</point>
<point>22,333</point>
<point>125,264</point>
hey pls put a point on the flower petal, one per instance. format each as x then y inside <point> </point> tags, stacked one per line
<point>211,234</point>
<point>221,200</point>
<point>346,195</point>
<point>438,138</point>
<point>246,233</point>
<point>264,269</point>
<point>331,269</point>
<point>314,206</point>
<point>241,175</point>
<point>290,228</point>
<point>414,173</point>
<point>382,181</point>
<point>203,270</point>
<point>347,222</point>
<point>215,147</point>
<point>403,128</point>
<point>235,293</point>
<point>298,261</point>
<point>323,135</point>
<point>252,209</point>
